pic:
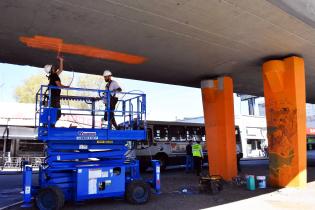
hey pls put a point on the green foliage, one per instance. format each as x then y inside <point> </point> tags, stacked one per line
<point>86,81</point>
<point>91,81</point>
<point>26,92</point>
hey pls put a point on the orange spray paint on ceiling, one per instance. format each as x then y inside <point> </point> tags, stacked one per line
<point>57,45</point>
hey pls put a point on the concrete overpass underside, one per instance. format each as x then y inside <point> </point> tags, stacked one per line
<point>182,41</point>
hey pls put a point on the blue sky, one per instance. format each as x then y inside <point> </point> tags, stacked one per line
<point>164,102</point>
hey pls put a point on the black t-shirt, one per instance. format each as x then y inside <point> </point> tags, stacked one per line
<point>189,150</point>
<point>53,78</point>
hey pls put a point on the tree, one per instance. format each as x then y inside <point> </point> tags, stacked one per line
<point>90,81</point>
<point>87,81</point>
<point>26,92</point>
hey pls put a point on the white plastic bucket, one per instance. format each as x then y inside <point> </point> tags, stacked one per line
<point>261,182</point>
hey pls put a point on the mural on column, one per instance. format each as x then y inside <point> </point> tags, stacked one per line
<point>284,88</point>
<point>280,130</point>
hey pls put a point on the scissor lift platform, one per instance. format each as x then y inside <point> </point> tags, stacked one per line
<point>89,162</point>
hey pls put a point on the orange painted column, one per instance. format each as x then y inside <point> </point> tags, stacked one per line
<point>217,96</point>
<point>284,89</point>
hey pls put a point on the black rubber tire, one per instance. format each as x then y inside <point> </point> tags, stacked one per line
<point>50,198</point>
<point>163,161</point>
<point>138,192</point>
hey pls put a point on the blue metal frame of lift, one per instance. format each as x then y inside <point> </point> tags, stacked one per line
<point>90,162</point>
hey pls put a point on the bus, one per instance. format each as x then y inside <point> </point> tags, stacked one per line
<point>310,138</point>
<point>167,141</point>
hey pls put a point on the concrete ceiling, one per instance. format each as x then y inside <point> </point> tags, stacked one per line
<point>183,41</point>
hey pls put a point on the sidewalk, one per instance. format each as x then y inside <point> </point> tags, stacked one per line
<point>283,199</point>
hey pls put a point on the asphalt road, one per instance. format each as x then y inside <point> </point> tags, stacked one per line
<point>10,189</point>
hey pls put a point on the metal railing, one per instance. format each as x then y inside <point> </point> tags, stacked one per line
<point>93,103</point>
<point>16,162</point>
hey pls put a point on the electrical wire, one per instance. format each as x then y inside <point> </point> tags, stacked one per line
<point>77,122</point>
<point>67,91</point>
<point>71,78</point>
<point>99,87</point>
<point>133,146</point>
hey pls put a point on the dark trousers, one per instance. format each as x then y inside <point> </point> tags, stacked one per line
<point>189,163</point>
<point>112,106</point>
<point>238,158</point>
<point>197,164</point>
<point>238,164</point>
<point>55,103</point>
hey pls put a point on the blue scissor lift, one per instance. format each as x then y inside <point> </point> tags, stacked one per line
<point>89,162</point>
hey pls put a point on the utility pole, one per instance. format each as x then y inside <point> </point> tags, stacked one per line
<point>5,138</point>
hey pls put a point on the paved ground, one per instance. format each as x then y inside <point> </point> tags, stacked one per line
<point>10,188</point>
<point>231,197</point>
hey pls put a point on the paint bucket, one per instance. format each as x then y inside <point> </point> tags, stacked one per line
<point>250,182</point>
<point>261,182</point>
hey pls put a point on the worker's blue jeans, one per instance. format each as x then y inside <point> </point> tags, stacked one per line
<point>189,163</point>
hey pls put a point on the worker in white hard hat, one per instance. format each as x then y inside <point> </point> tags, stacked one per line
<point>54,81</point>
<point>113,87</point>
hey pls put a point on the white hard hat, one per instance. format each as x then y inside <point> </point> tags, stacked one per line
<point>107,73</point>
<point>47,68</point>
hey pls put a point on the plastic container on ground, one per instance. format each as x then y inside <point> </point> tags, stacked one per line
<point>250,182</point>
<point>261,182</point>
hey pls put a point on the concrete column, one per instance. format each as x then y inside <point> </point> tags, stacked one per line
<point>284,89</point>
<point>217,96</point>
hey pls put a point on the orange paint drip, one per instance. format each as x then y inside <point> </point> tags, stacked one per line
<point>56,44</point>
